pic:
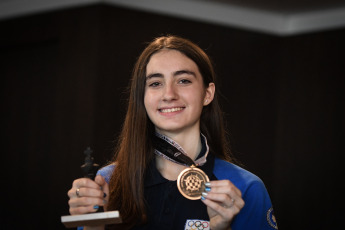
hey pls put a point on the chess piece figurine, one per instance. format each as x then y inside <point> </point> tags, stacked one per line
<point>90,169</point>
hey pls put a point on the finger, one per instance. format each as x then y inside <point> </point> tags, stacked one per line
<point>100,180</point>
<point>85,201</point>
<point>86,192</point>
<point>227,197</point>
<point>105,189</point>
<point>224,200</point>
<point>225,193</point>
<point>227,213</point>
<point>103,186</point>
<point>84,182</point>
<point>224,186</point>
<point>83,209</point>
<point>86,187</point>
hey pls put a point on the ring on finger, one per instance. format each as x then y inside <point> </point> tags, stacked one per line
<point>232,202</point>
<point>77,192</point>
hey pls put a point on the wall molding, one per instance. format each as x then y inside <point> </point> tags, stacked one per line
<point>266,21</point>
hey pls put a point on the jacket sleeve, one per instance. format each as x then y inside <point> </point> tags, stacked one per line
<point>257,212</point>
<point>106,172</point>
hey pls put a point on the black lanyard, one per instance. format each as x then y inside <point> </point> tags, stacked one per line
<point>171,152</point>
<point>191,181</point>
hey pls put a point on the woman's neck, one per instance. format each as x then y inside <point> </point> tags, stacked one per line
<point>190,143</point>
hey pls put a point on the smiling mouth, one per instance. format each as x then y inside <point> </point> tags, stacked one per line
<point>171,110</point>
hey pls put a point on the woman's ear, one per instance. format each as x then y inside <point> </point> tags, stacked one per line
<point>210,90</point>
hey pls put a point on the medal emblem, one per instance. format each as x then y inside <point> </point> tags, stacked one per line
<point>191,182</point>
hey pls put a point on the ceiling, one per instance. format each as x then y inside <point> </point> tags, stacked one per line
<point>286,6</point>
<point>278,17</point>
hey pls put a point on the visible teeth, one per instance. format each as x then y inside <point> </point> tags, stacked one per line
<point>170,110</point>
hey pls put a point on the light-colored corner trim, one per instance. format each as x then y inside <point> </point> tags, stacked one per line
<point>16,8</point>
<point>315,21</point>
<point>277,23</point>
<point>211,12</point>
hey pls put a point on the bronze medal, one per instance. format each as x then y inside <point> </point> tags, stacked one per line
<point>191,182</point>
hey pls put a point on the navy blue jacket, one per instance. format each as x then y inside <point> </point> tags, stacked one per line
<point>168,209</point>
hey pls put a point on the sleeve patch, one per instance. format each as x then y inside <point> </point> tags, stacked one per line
<point>271,219</point>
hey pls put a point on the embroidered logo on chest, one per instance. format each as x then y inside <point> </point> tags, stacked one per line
<point>197,225</point>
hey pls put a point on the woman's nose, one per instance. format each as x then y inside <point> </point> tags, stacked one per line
<point>169,92</point>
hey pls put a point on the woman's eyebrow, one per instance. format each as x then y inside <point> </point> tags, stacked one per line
<point>177,73</point>
<point>180,72</point>
<point>154,75</point>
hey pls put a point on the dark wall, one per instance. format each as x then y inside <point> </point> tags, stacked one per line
<point>64,80</point>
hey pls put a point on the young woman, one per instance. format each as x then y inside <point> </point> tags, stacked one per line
<point>172,168</point>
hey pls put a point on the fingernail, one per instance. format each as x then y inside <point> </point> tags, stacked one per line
<point>203,198</point>
<point>104,195</point>
<point>208,184</point>
<point>207,189</point>
<point>95,207</point>
<point>204,194</point>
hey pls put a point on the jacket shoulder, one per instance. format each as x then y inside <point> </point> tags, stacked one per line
<point>240,177</point>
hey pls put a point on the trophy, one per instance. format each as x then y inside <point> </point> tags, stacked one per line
<point>91,219</point>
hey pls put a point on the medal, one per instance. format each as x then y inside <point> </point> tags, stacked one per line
<point>191,181</point>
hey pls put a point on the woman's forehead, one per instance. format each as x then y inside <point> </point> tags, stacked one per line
<point>169,58</point>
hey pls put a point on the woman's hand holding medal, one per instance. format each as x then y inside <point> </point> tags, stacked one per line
<point>224,201</point>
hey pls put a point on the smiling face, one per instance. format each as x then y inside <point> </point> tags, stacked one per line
<point>175,93</point>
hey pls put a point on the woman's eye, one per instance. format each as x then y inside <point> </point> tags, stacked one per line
<point>154,84</point>
<point>185,81</point>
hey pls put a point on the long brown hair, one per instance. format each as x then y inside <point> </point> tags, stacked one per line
<point>135,151</point>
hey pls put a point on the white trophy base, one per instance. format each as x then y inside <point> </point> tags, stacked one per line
<point>91,219</point>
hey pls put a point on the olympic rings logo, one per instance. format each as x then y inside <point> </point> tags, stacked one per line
<point>197,225</point>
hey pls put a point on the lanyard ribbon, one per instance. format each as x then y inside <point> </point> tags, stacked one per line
<point>172,151</point>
